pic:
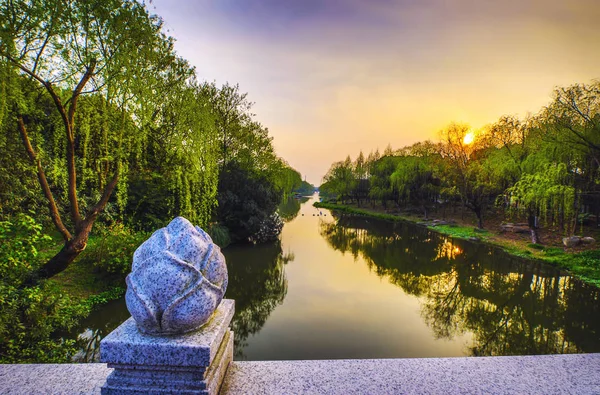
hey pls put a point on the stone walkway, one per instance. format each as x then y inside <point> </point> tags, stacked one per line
<point>548,374</point>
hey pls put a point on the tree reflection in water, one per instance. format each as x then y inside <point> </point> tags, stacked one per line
<point>258,284</point>
<point>95,327</point>
<point>512,306</point>
<point>290,207</point>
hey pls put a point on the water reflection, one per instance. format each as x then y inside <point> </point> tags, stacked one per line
<point>511,307</point>
<point>95,327</point>
<point>353,287</point>
<point>290,207</point>
<point>258,284</point>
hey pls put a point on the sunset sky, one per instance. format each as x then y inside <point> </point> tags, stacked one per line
<point>331,78</point>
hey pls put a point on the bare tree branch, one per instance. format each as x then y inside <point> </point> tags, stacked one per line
<point>84,80</point>
<point>54,213</point>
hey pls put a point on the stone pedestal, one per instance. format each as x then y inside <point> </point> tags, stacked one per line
<point>192,363</point>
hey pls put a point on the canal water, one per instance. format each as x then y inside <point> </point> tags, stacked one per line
<point>343,286</point>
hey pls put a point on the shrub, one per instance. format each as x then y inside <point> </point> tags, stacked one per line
<point>30,315</point>
<point>112,250</point>
<point>219,234</point>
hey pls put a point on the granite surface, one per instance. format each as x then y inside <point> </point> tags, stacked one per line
<point>130,379</point>
<point>53,379</point>
<point>177,280</point>
<point>549,374</point>
<point>126,345</point>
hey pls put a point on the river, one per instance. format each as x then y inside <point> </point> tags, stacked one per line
<point>343,286</point>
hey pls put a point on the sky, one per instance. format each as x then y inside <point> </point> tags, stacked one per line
<point>331,78</point>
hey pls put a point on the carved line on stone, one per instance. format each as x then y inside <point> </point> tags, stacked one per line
<point>179,276</point>
<point>145,303</point>
<point>207,256</point>
<point>159,316</point>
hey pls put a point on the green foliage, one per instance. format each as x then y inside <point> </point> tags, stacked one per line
<point>381,170</point>
<point>219,234</point>
<point>546,191</point>
<point>103,298</point>
<point>415,181</point>
<point>247,203</point>
<point>111,251</point>
<point>305,188</point>
<point>544,166</point>
<point>461,232</point>
<point>20,240</point>
<point>252,178</point>
<point>126,138</point>
<point>29,315</point>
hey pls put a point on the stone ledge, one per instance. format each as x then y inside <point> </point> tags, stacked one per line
<point>544,374</point>
<point>126,345</point>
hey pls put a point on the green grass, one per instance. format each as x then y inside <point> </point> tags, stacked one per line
<point>536,246</point>
<point>94,277</point>
<point>584,265</point>
<point>461,232</point>
<point>358,211</point>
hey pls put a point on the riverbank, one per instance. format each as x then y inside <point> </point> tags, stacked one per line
<point>584,265</point>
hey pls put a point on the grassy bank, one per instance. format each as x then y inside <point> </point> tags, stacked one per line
<point>584,265</point>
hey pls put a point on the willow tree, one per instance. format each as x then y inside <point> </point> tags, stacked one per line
<point>72,49</point>
<point>416,182</point>
<point>464,169</point>
<point>571,124</point>
<point>339,179</point>
<point>547,190</point>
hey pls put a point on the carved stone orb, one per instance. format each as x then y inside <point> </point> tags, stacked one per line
<point>177,280</point>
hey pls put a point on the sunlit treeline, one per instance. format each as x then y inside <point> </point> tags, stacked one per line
<point>106,132</point>
<point>545,168</point>
<point>510,307</point>
<point>100,119</point>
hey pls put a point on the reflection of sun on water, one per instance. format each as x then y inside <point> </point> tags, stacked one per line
<point>469,137</point>
<point>448,250</point>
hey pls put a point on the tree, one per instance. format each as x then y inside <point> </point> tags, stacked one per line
<point>571,124</point>
<point>339,179</point>
<point>360,187</point>
<point>232,109</point>
<point>381,187</point>
<point>464,170</point>
<point>247,202</point>
<point>70,49</point>
<point>415,180</point>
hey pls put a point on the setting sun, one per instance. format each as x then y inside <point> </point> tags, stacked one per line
<point>469,137</point>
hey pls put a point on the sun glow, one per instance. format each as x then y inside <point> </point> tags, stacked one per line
<point>469,137</point>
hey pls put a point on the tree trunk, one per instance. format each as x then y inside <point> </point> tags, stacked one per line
<point>67,254</point>
<point>425,212</point>
<point>479,213</point>
<point>535,238</point>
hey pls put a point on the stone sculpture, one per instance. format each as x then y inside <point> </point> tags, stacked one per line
<point>178,279</point>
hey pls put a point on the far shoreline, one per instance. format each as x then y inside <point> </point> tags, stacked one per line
<point>577,264</point>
